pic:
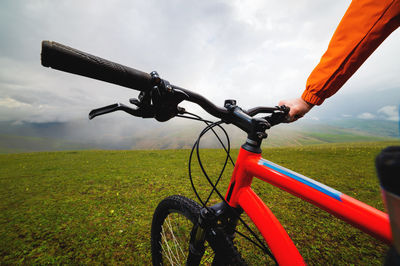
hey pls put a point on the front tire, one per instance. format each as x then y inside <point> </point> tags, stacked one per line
<point>172,224</point>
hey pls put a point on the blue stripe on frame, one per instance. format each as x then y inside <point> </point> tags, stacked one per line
<point>303,179</point>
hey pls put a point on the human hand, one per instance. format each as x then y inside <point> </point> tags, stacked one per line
<point>298,108</point>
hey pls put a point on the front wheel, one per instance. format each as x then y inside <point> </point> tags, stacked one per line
<point>173,221</point>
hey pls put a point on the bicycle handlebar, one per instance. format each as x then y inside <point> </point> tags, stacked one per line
<point>67,59</point>
<point>70,60</point>
<point>208,106</point>
<point>158,98</point>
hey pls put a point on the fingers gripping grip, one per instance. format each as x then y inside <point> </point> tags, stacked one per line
<point>70,60</point>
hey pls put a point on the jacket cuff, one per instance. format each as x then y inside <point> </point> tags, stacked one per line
<point>312,98</point>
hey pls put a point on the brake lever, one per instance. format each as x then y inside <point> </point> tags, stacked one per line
<point>119,106</point>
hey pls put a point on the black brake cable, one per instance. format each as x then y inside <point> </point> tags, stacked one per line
<point>196,117</point>
<point>197,145</point>
<point>214,185</point>
<point>190,169</point>
<point>210,126</point>
<point>250,240</point>
<point>209,123</point>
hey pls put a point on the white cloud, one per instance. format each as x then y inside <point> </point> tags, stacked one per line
<point>12,103</point>
<point>366,116</point>
<point>389,112</point>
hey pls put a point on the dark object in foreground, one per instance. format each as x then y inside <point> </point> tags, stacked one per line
<point>388,168</point>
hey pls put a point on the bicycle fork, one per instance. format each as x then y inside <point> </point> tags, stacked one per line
<point>216,224</point>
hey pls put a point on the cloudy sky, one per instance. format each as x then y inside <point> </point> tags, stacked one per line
<point>257,52</point>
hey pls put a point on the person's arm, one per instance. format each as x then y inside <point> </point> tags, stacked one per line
<point>364,26</point>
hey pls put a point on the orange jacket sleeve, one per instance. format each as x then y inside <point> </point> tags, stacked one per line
<point>364,26</point>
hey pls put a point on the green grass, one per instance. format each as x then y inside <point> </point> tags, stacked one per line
<point>95,207</point>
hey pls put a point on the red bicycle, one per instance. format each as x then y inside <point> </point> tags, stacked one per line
<point>184,231</point>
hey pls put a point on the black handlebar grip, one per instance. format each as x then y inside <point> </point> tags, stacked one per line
<point>70,60</point>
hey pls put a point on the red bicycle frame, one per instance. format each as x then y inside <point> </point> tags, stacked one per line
<point>249,165</point>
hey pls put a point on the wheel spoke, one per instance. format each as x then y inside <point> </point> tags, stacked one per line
<point>174,239</point>
<point>169,254</point>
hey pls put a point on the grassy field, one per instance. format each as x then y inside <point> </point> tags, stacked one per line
<point>95,207</point>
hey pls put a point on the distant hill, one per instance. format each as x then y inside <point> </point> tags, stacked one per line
<point>178,134</point>
<point>11,144</point>
<point>333,131</point>
<point>374,127</point>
